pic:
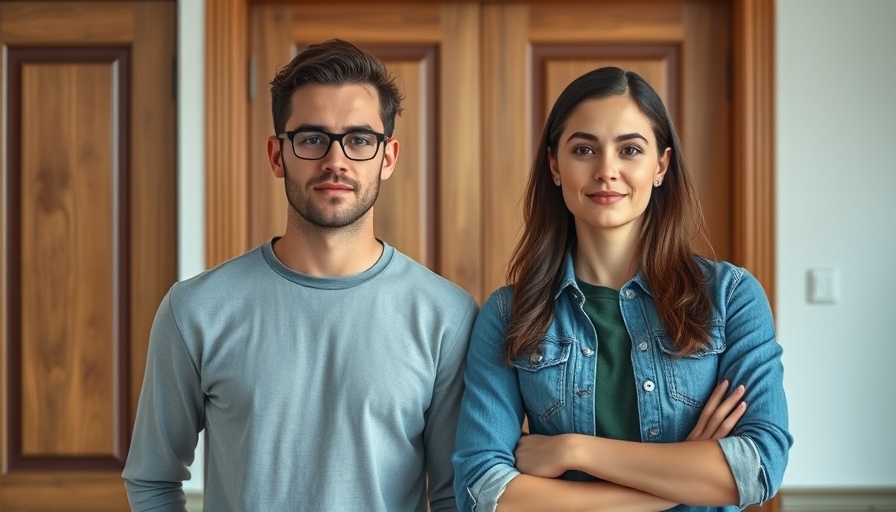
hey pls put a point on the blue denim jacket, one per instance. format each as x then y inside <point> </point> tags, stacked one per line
<point>555,387</point>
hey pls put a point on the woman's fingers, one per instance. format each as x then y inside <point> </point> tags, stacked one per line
<point>711,405</point>
<point>720,414</point>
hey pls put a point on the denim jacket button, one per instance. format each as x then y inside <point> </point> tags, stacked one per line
<point>587,352</point>
<point>535,358</point>
<point>649,385</point>
<point>576,296</point>
<point>629,294</point>
<point>653,431</point>
<point>642,346</point>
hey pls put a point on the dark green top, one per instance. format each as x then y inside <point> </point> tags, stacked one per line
<point>615,397</point>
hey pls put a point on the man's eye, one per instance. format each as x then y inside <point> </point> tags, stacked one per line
<point>360,139</point>
<point>310,140</point>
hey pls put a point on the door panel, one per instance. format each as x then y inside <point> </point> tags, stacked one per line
<point>89,230</point>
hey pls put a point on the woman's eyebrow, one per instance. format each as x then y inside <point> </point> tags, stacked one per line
<point>619,138</point>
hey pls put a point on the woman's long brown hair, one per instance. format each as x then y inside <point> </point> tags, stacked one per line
<point>672,221</point>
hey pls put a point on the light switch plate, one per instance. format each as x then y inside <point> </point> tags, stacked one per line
<point>823,286</point>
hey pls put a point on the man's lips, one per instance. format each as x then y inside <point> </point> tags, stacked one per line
<point>333,187</point>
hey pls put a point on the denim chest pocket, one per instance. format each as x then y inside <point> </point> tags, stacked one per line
<point>692,378</point>
<point>542,377</point>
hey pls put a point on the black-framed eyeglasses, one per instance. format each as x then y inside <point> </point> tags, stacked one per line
<point>358,145</point>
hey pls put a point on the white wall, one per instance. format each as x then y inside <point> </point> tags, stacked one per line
<point>836,208</point>
<point>191,159</point>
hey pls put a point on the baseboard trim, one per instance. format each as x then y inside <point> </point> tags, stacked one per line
<point>194,501</point>
<point>838,500</point>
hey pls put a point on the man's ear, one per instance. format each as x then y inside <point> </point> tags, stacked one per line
<point>390,157</point>
<point>275,156</point>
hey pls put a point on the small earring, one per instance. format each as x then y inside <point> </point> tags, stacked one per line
<point>557,181</point>
<point>657,183</point>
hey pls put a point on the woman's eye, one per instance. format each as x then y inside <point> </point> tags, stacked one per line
<point>582,151</point>
<point>631,150</point>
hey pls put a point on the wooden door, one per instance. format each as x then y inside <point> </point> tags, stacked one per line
<point>479,80</point>
<point>89,240</point>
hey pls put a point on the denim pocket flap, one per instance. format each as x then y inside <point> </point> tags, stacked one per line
<point>551,352</point>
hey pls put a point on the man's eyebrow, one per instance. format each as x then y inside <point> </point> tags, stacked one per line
<point>320,128</point>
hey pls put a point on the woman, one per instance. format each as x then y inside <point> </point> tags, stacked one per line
<point>615,341</point>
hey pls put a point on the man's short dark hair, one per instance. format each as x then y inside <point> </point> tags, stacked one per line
<point>334,62</point>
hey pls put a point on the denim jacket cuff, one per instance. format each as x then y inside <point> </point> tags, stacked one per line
<point>484,493</point>
<point>743,459</point>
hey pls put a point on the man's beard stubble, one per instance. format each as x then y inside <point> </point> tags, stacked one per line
<point>301,203</point>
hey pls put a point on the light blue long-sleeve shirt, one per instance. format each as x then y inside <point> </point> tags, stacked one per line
<point>315,393</point>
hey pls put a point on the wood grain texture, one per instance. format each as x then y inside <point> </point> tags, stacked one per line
<point>371,23</point>
<point>507,129</point>
<point>68,22</point>
<point>459,192</point>
<point>754,139</point>
<point>404,214</point>
<point>704,122</point>
<point>271,48</point>
<point>226,129</point>
<point>152,185</point>
<point>89,236</point>
<point>614,21</point>
<point>68,250</point>
<point>71,491</point>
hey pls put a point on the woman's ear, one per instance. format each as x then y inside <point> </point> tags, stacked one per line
<point>663,165</point>
<point>555,169</point>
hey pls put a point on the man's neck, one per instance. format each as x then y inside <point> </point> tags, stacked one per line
<point>327,252</point>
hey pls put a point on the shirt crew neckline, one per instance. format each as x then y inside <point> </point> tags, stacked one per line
<point>326,283</point>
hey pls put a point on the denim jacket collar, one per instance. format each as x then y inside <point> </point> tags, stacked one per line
<point>569,279</point>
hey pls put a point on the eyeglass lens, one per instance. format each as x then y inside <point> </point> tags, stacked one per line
<point>356,145</point>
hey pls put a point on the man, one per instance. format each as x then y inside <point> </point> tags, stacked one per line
<point>325,366</point>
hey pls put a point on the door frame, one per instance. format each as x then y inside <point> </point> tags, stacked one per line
<point>753,134</point>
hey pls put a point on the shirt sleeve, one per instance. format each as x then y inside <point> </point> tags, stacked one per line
<point>170,415</point>
<point>757,450</point>
<point>441,417</point>
<point>491,414</point>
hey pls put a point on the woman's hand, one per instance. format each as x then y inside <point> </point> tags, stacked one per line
<point>720,414</point>
<point>543,456</point>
